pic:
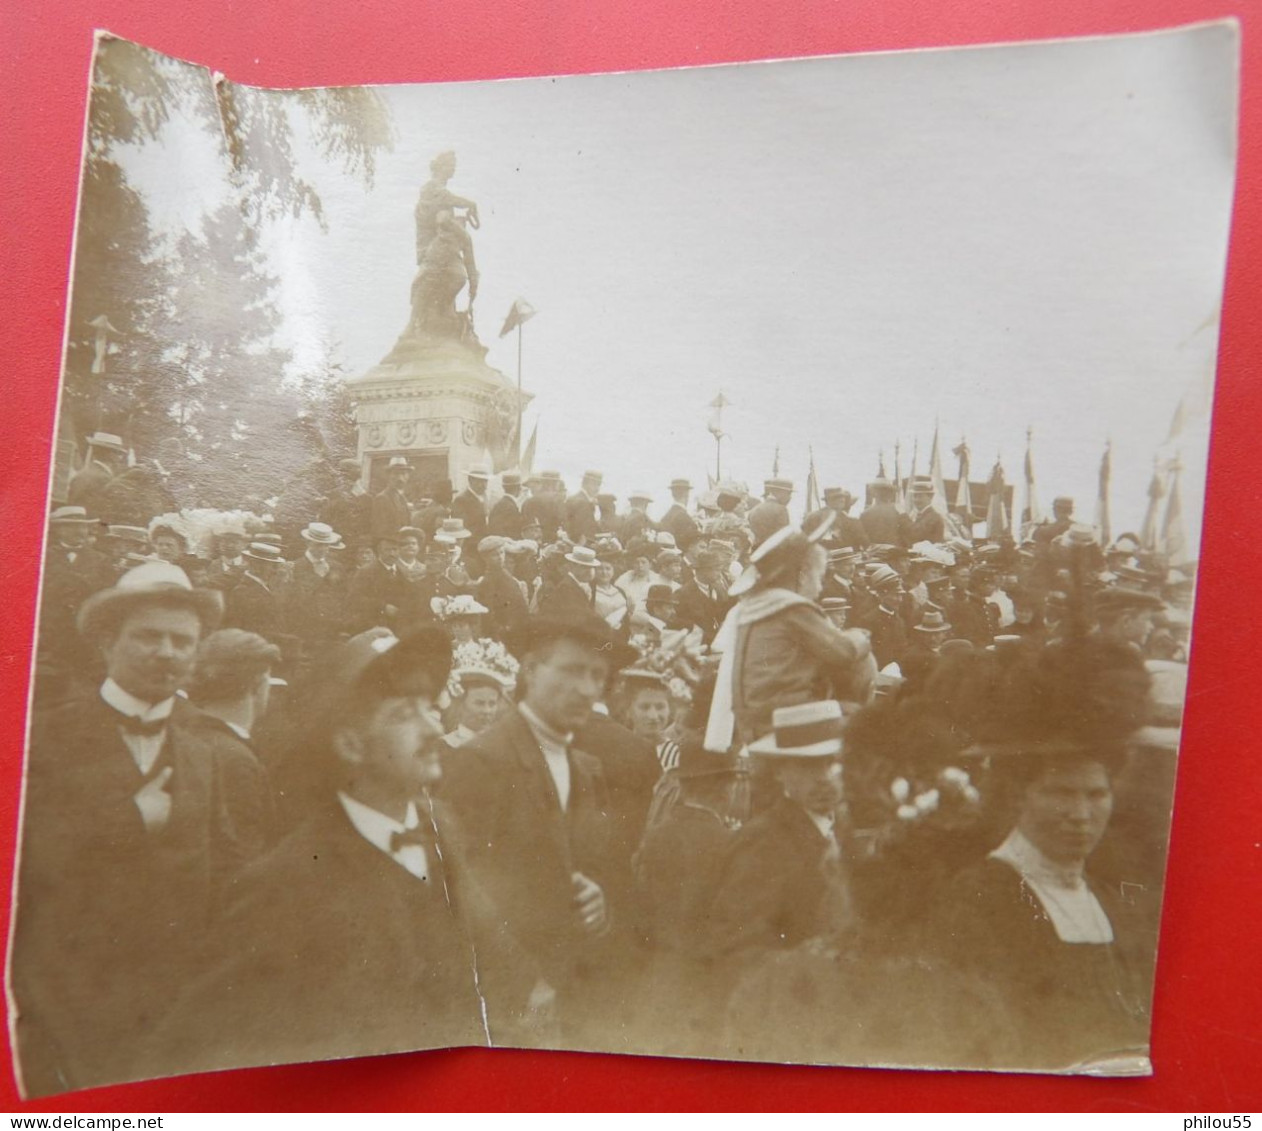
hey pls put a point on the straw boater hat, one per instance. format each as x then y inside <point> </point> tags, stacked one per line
<point>451,530</point>
<point>680,485</point>
<point>478,473</point>
<point>106,440</point>
<point>639,496</point>
<point>150,583</point>
<point>806,730</point>
<point>583,556</point>
<point>264,552</point>
<point>322,534</point>
<point>72,516</point>
<point>398,463</point>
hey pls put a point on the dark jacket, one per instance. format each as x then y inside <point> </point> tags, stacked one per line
<point>681,525</point>
<point>332,948</point>
<point>885,525</point>
<point>315,606</point>
<point>506,518</point>
<point>502,595</point>
<point>390,511</point>
<point>566,598</point>
<point>702,609</point>
<point>112,916</point>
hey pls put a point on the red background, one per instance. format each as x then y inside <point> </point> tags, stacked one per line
<point>1208,1037</point>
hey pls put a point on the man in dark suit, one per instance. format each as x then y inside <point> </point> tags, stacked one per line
<point>580,509</point>
<point>677,520</point>
<point>506,519</point>
<point>362,932</point>
<point>543,831</point>
<point>572,594</point>
<point>256,603</point>
<point>470,506</point>
<point>348,508</point>
<point>375,593</point>
<point>847,531</point>
<point>546,505</point>
<point>884,620</point>
<point>134,824</point>
<point>502,594</point>
<point>786,883</point>
<point>773,512</point>
<point>315,599</point>
<point>926,524</point>
<point>391,510</point>
<point>703,601</point>
<point>883,522</point>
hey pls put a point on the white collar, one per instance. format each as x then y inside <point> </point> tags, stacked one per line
<point>314,560</point>
<point>541,729</point>
<point>258,581</point>
<point>237,729</point>
<point>825,823</point>
<point>374,826</point>
<point>127,704</point>
<point>1018,851</point>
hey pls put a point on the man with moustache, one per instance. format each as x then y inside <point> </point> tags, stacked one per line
<point>131,834</point>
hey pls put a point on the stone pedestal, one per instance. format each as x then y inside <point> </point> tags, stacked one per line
<point>437,402</point>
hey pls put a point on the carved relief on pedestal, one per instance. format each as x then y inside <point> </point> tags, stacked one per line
<point>375,436</point>
<point>436,432</point>
<point>470,433</point>
<point>407,433</point>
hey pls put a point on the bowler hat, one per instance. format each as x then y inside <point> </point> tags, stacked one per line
<point>155,582</point>
<point>680,485</point>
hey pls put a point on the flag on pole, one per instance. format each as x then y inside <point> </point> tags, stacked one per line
<point>1150,531</point>
<point>716,420</point>
<point>996,506</point>
<point>880,465</point>
<point>1173,534</point>
<point>963,493</point>
<point>1032,514</point>
<point>528,456</point>
<point>900,496</point>
<point>939,502</point>
<point>775,464</point>
<point>1102,522</point>
<point>812,485</point>
<point>521,311</point>
<point>915,457</point>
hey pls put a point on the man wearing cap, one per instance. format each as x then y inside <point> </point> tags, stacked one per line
<point>975,618</point>
<point>390,506</point>
<point>107,457</point>
<point>73,571</point>
<point>921,659</point>
<point>131,833</point>
<point>315,599</point>
<point>470,506</point>
<point>926,524</point>
<point>773,512</point>
<point>257,602</point>
<point>884,621</point>
<point>572,594</point>
<point>704,600</point>
<point>362,931</point>
<point>677,520</point>
<point>506,519</point>
<point>785,882</point>
<point>1125,616</point>
<point>847,531</point>
<point>580,509</point>
<point>882,522</point>
<point>499,590</point>
<point>543,830</point>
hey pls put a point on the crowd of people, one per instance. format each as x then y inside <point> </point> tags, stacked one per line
<point>515,765</point>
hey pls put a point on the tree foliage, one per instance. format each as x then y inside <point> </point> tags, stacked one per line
<point>193,364</point>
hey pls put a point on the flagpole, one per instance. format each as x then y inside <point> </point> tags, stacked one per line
<point>517,442</point>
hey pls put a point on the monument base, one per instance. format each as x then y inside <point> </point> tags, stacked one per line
<point>436,402</point>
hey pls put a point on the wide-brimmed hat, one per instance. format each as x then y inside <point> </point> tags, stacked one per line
<point>586,629</point>
<point>511,479</point>
<point>398,463</point>
<point>589,475</point>
<point>681,485</point>
<point>478,473</point>
<point>639,496</point>
<point>156,582</point>
<point>921,483</point>
<point>583,556</point>
<point>461,605</point>
<point>73,516</point>
<point>452,530</point>
<point>377,664</point>
<point>322,534</point>
<point>805,730</point>
<point>106,440</point>
<point>778,484</point>
<point>264,552</point>
<point>933,621</point>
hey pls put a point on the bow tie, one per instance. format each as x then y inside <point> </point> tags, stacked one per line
<point>418,836</point>
<point>133,725</point>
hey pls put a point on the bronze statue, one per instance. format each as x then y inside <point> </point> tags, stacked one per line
<point>444,257</point>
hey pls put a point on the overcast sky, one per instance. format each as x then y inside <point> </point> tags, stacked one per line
<point>849,248</point>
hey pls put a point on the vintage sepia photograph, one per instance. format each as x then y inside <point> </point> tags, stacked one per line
<point>692,563</point>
